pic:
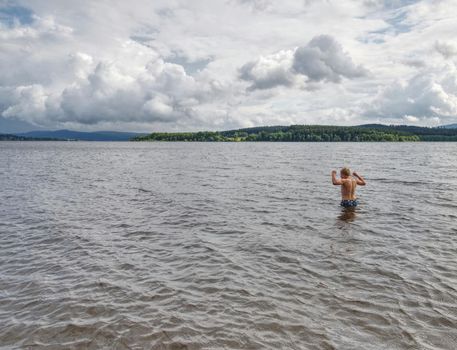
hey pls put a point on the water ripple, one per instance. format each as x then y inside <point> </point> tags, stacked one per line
<point>224,246</point>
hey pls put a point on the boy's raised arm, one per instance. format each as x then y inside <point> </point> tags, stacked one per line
<point>360,180</point>
<point>335,181</point>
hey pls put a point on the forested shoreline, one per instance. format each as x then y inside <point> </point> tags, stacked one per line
<point>11,137</point>
<point>312,133</point>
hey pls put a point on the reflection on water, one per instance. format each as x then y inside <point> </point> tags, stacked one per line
<point>347,214</point>
<point>226,246</point>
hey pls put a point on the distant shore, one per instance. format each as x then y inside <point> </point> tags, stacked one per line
<point>11,137</point>
<point>292,133</point>
<point>312,133</point>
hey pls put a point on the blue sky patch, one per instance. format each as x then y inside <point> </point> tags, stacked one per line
<point>10,15</point>
<point>395,4</point>
<point>398,23</point>
<point>191,67</point>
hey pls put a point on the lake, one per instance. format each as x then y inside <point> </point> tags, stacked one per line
<point>227,246</point>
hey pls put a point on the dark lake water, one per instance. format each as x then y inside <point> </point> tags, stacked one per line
<point>226,246</point>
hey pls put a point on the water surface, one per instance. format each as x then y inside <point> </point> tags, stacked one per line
<point>226,246</point>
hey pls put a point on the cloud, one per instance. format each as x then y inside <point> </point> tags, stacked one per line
<point>259,5</point>
<point>34,28</point>
<point>430,95</point>
<point>111,91</point>
<point>24,101</point>
<point>414,62</point>
<point>161,65</point>
<point>446,49</point>
<point>269,71</point>
<point>411,118</point>
<point>323,59</point>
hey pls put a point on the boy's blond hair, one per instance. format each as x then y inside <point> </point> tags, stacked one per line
<point>346,171</point>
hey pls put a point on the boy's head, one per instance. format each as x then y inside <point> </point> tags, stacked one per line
<point>345,172</point>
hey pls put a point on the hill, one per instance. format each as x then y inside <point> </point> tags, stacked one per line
<point>449,126</point>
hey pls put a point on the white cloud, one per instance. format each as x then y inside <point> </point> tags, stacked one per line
<point>426,96</point>
<point>270,71</point>
<point>259,5</point>
<point>322,59</point>
<point>113,91</point>
<point>41,27</point>
<point>411,118</point>
<point>446,49</point>
<point>25,101</point>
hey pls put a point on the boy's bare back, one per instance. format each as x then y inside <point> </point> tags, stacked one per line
<point>348,185</point>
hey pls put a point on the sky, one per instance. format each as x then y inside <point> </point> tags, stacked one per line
<point>222,64</point>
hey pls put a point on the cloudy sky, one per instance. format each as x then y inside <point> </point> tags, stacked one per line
<point>219,64</point>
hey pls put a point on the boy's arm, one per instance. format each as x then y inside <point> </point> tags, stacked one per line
<point>360,180</point>
<point>335,181</point>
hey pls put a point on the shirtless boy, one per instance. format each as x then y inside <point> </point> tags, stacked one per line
<point>348,184</point>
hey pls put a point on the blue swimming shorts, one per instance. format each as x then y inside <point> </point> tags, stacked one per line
<point>347,203</point>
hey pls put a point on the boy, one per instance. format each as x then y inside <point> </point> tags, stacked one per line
<point>348,185</point>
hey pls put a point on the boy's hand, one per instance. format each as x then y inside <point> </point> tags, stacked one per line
<point>360,180</point>
<point>335,181</point>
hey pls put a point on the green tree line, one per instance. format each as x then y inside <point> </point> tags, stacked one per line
<point>311,133</point>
